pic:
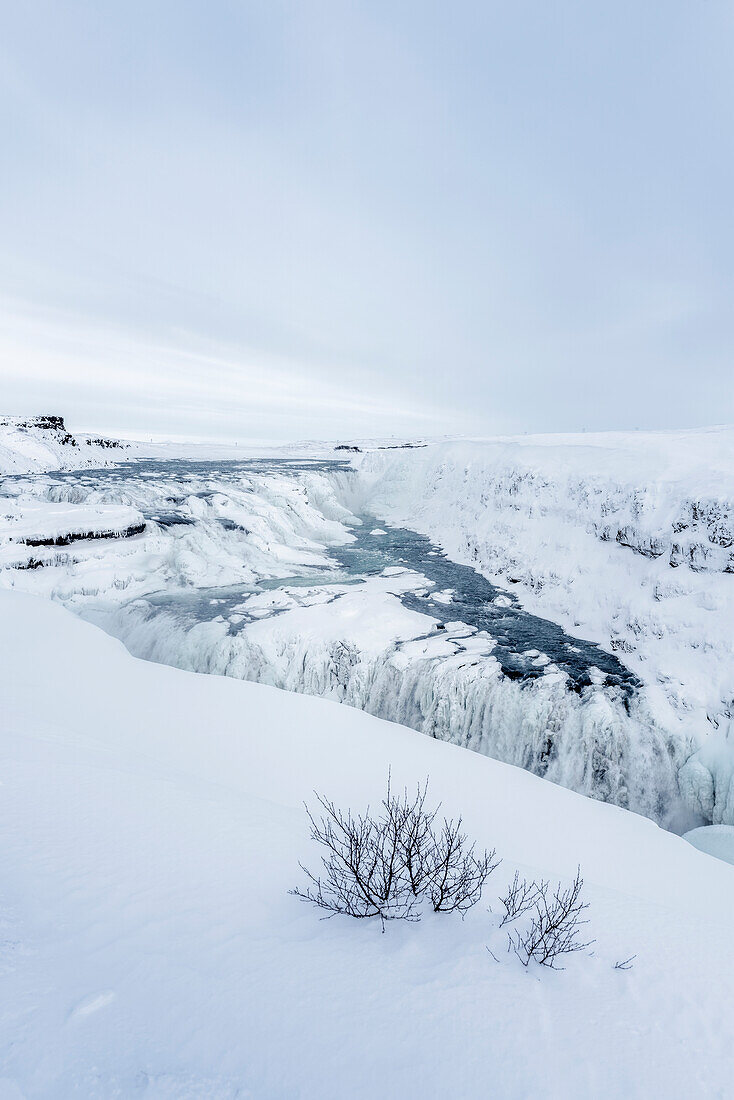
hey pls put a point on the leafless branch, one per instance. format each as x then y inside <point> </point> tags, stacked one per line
<point>385,865</point>
<point>520,897</point>
<point>554,930</point>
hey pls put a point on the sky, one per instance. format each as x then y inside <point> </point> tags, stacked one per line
<point>269,220</point>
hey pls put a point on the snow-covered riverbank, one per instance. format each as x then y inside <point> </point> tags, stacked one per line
<point>152,825</point>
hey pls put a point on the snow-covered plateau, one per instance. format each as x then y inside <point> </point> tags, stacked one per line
<point>152,825</point>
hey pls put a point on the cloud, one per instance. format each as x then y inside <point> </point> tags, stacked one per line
<point>186,384</point>
<point>320,218</point>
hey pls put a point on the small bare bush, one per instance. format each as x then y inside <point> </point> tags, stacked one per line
<point>385,865</point>
<point>412,826</point>
<point>555,926</point>
<point>363,870</point>
<point>457,875</point>
<point>520,897</point>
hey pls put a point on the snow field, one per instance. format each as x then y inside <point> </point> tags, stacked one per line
<point>153,824</point>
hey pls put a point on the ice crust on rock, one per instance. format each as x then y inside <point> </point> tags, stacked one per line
<point>38,523</point>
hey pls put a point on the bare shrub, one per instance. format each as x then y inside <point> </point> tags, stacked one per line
<point>555,927</point>
<point>520,897</point>
<point>386,865</point>
<point>411,824</point>
<point>439,861</point>
<point>458,875</point>
<point>363,869</point>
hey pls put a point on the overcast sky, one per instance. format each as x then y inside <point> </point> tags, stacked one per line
<point>273,220</point>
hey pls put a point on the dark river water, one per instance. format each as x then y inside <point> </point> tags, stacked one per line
<point>520,636</point>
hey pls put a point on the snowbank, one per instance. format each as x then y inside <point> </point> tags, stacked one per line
<point>152,825</point>
<point>717,840</point>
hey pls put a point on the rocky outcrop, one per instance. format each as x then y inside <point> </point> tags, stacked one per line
<point>44,423</point>
<point>35,444</point>
<point>106,444</point>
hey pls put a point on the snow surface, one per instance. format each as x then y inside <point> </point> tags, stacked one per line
<point>26,447</point>
<point>622,538</point>
<point>152,825</point>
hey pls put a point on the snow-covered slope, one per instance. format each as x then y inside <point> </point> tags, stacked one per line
<point>38,443</point>
<point>152,825</point>
<point>623,538</point>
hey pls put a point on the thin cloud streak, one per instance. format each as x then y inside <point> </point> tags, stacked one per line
<point>240,390</point>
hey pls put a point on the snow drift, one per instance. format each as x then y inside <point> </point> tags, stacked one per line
<point>153,822</point>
